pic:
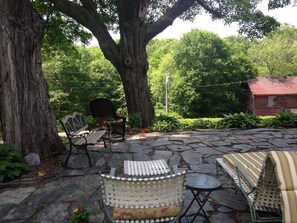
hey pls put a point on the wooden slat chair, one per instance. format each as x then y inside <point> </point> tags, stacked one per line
<point>258,176</point>
<point>150,199</point>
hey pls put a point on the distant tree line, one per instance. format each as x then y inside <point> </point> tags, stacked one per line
<point>208,74</point>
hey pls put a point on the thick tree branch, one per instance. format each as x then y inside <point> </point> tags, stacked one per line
<point>143,9</point>
<point>167,19</point>
<point>87,16</point>
<point>209,9</point>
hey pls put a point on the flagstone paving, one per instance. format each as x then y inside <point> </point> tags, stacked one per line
<point>195,150</point>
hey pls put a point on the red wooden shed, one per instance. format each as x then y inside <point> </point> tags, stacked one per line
<point>268,95</point>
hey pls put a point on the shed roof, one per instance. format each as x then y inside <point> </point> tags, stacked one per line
<point>273,86</point>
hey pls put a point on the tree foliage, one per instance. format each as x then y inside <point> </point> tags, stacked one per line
<point>88,75</point>
<point>61,32</point>
<point>276,54</point>
<point>96,77</point>
<point>242,43</point>
<point>160,57</point>
<point>140,21</point>
<point>74,80</point>
<point>210,76</point>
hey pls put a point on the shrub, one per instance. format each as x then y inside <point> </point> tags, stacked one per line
<point>203,124</point>
<point>91,121</point>
<point>197,124</point>
<point>135,120</point>
<point>186,125</point>
<point>267,121</point>
<point>12,164</point>
<point>239,120</point>
<point>165,123</point>
<point>283,119</point>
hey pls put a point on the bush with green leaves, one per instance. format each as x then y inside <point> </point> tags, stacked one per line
<point>239,120</point>
<point>165,123</point>
<point>91,121</point>
<point>286,118</point>
<point>204,124</point>
<point>267,121</point>
<point>12,164</point>
<point>197,124</point>
<point>135,120</point>
<point>283,119</point>
<point>187,124</point>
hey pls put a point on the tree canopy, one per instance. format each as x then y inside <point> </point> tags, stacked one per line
<point>140,21</point>
<point>211,73</point>
<point>93,76</point>
<point>276,54</point>
<point>74,80</point>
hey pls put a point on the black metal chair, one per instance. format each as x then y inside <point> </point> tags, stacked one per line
<point>105,113</point>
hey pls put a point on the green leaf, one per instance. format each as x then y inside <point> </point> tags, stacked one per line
<point>23,166</point>
<point>12,164</point>
<point>3,166</point>
<point>15,172</point>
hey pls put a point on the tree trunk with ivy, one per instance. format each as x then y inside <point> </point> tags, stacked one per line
<point>28,122</point>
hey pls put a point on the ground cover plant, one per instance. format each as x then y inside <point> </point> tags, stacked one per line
<point>239,120</point>
<point>283,119</point>
<point>12,164</point>
<point>165,123</point>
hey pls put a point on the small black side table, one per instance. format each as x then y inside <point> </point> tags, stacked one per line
<point>201,186</point>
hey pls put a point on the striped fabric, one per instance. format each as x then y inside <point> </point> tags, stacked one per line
<point>289,206</point>
<point>275,175</point>
<point>247,160</point>
<point>286,168</point>
<point>252,162</point>
<point>286,174</point>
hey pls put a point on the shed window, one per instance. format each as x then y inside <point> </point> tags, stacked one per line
<point>271,101</point>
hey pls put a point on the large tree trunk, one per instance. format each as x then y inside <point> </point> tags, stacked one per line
<point>129,56</point>
<point>137,93</point>
<point>133,63</point>
<point>26,116</point>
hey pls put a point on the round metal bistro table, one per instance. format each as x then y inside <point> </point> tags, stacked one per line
<point>201,186</point>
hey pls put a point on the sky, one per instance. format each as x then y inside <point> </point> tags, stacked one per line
<point>204,22</point>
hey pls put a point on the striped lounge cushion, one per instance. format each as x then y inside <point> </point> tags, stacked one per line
<point>275,174</point>
<point>285,164</point>
<point>252,163</point>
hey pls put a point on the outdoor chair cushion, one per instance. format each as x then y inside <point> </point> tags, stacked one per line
<point>284,165</point>
<point>252,163</point>
<point>143,199</point>
<point>274,175</point>
<point>145,213</point>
